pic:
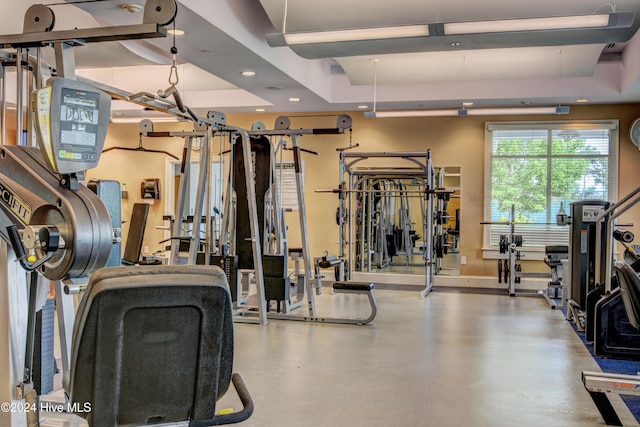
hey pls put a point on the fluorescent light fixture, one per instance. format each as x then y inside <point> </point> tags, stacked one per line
<point>428,36</point>
<point>136,119</point>
<point>260,110</point>
<point>363,107</point>
<point>294,99</point>
<point>175,32</point>
<point>582,100</point>
<point>514,111</point>
<point>468,112</point>
<point>358,34</point>
<point>248,73</point>
<point>528,24</point>
<point>410,113</point>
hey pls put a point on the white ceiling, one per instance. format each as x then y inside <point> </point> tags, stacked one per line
<point>225,37</point>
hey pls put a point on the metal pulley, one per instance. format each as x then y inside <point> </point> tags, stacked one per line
<point>282,123</point>
<point>162,12</point>
<point>38,19</point>
<point>344,121</point>
<point>146,126</point>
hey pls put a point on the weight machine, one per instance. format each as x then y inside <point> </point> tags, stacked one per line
<point>270,257</point>
<point>611,322</point>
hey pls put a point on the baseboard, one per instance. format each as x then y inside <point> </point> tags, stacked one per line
<point>449,281</point>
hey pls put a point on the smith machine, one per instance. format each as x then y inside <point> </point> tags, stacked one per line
<point>362,194</point>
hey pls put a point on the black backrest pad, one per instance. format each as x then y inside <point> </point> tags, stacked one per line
<point>135,237</point>
<point>630,288</point>
<point>152,344</point>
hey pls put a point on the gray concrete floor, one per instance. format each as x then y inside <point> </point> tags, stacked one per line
<point>452,359</point>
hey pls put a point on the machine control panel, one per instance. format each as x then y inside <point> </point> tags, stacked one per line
<point>71,122</point>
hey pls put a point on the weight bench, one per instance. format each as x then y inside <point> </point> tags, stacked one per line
<point>154,345</point>
<point>364,288</point>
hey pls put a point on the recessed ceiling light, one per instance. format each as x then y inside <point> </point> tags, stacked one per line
<point>274,88</point>
<point>175,32</point>
<point>132,8</point>
<point>582,100</point>
<point>248,73</point>
<point>260,110</point>
<point>294,99</point>
<point>363,107</point>
<point>455,44</point>
<point>467,104</point>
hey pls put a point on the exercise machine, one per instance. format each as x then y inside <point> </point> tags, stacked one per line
<point>585,236</point>
<point>61,230</point>
<point>509,267</point>
<point>594,300</point>
<point>616,332</point>
<point>613,331</point>
<point>359,174</point>
<point>585,217</point>
<point>598,384</point>
<point>265,260</point>
<point>556,288</point>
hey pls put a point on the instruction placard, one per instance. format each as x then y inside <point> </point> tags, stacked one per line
<point>286,182</point>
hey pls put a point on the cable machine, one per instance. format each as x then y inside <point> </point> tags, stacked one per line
<point>269,268</point>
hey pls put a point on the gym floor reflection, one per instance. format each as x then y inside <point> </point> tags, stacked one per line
<point>451,359</point>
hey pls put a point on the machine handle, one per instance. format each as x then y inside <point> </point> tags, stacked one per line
<point>236,417</point>
<point>16,243</point>
<point>21,254</point>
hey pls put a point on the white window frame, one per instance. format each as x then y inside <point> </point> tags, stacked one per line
<point>536,252</point>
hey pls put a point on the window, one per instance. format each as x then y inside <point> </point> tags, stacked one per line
<point>534,166</point>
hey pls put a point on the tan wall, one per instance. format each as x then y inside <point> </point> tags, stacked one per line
<point>10,128</point>
<point>454,141</point>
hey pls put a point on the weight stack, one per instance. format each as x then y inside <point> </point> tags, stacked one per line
<point>274,266</point>
<point>43,360</point>
<point>277,286</point>
<point>229,264</point>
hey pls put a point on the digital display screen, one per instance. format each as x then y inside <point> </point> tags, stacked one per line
<point>79,113</point>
